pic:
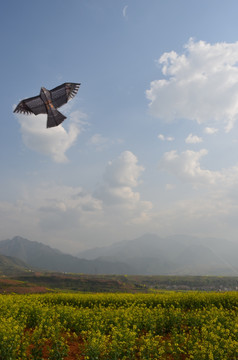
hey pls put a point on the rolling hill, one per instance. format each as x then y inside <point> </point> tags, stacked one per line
<point>10,265</point>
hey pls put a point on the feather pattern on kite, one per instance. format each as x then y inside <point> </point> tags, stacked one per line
<point>48,101</point>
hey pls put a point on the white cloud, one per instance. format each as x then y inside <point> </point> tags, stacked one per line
<point>124,11</point>
<point>53,142</point>
<point>98,139</point>
<point>193,139</point>
<point>201,84</point>
<point>67,216</point>
<point>120,177</point>
<point>123,171</point>
<point>210,130</point>
<point>65,207</point>
<point>163,138</point>
<point>187,166</point>
<point>52,213</point>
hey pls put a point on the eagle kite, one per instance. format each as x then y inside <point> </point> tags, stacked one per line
<point>48,101</point>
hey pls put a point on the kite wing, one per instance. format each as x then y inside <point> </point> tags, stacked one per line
<point>34,105</point>
<point>63,93</point>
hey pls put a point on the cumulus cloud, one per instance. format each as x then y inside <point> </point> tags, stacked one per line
<point>66,216</point>
<point>201,84</point>
<point>52,142</point>
<point>193,139</point>
<point>120,177</point>
<point>163,138</point>
<point>187,166</point>
<point>123,171</point>
<point>210,130</point>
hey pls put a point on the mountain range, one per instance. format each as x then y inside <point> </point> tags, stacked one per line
<point>173,255</point>
<point>42,257</point>
<point>146,255</point>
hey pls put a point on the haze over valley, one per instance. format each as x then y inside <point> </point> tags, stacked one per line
<point>146,255</point>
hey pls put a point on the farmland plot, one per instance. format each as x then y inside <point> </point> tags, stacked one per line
<point>193,325</point>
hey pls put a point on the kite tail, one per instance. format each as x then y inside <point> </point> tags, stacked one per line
<point>55,118</point>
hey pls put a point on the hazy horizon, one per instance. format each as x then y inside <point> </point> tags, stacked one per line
<point>150,141</point>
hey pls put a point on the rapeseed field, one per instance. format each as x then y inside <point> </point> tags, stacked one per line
<point>169,325</point>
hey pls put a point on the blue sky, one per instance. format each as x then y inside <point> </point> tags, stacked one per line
<point>150,141</point>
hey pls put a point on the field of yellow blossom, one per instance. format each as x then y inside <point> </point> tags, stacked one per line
<point>169,325</point>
